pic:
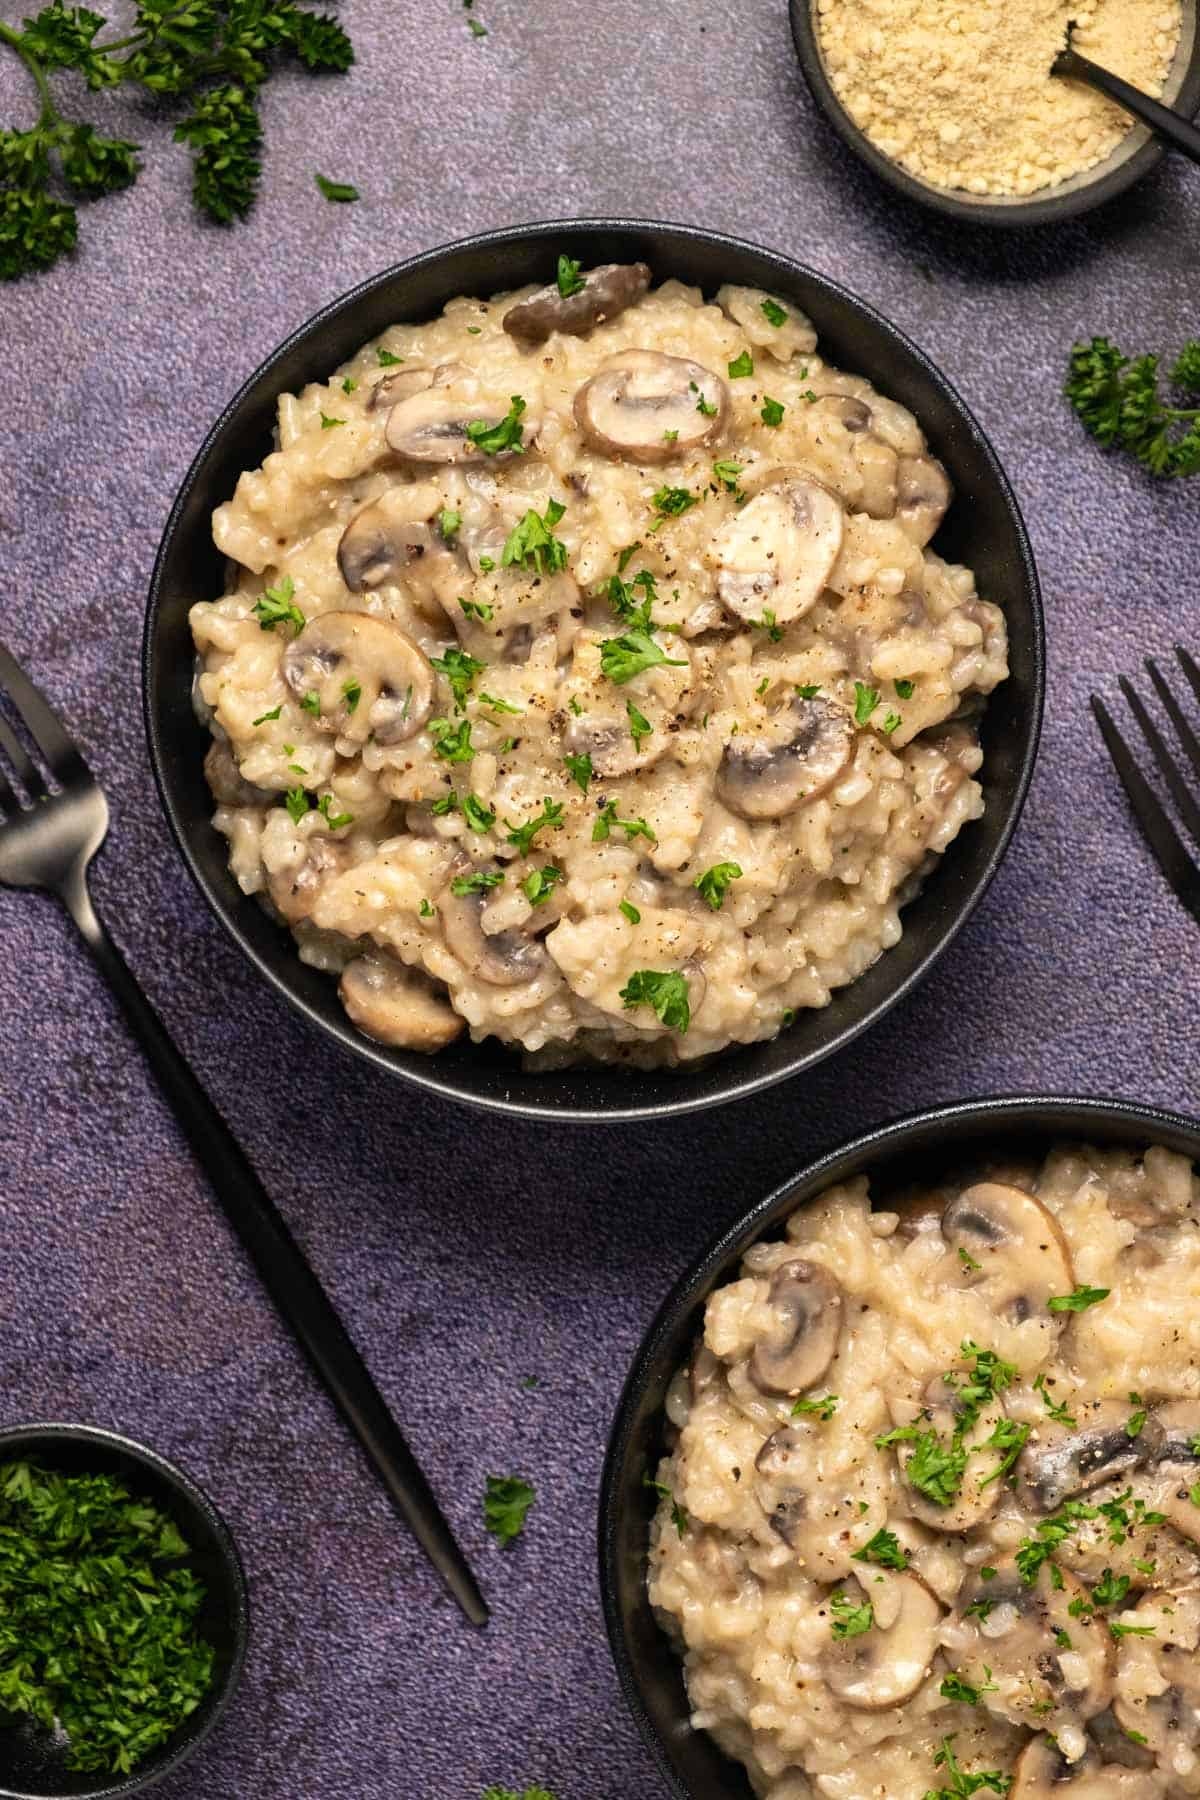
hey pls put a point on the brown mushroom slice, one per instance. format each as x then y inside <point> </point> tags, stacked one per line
<point>812,1517</point>
<point>645,407</point>
<point>1063,1464</point>
<point>778,552</point>
<point>923,493</point>
<point>431,426</point>
<point>607,290</point>
<point>797,758</point>
<point>401,384</point>
<point>295,890</point>
<point>1042,1772</point>
<point>1019,1253</point>
<point>978,1492</point>
<point>501,958</point>
<point>397,1006</point>
<point>380,540</point>
<point>1046,1662</point>
<point>1169,1481</point>
<point>1158,1685</point>
<point>369,678</point>
<point>875,461</point>
<point>886,1665</point>
<point>607,739</point>
<point>807,1304</point>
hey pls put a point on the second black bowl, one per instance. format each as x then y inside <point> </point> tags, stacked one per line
<point>983,528</point>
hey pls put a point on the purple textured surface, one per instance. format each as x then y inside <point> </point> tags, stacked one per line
<point>467,1253</point>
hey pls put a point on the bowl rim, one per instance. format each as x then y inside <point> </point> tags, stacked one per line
<point>428,1077</point>
<point>44,1431</point>
<point>1048,206</point>
<point>1044,1115</point>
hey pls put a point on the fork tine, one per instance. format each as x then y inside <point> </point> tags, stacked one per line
<point>10,806</point>
<point>1183,730</point>
<point>1156,827</point>
<point>20,761</point>
<point>1188,665</point>
<point>41,720</point>
<point>1176,785</point>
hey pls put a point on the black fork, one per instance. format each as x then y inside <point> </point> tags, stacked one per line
<point>1174,858</point>
<point>53,819</point>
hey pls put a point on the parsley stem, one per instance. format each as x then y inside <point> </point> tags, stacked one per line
<point>49,113</point>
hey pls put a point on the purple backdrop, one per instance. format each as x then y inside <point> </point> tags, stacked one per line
<point>467,1253</point>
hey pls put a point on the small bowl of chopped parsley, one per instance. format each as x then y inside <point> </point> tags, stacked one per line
<point>123,1614</point>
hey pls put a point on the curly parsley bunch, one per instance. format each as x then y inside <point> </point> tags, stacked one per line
<point>207,57</point>
<point>1117,397</point>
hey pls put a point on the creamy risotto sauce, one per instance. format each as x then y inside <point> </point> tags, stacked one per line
<point>585,678</point>
<point>933,1506</point>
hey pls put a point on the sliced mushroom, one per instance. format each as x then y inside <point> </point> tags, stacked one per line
<point>609,743</point>
<point>807,1303</point>
<point>401,384</point>
<point>1046,1662</point>
<point>294,890</point>
<point>646,407</point>
<point>607,290</point>
<point>501,958</point>
<point>875,461</point>
<point>369,678</point>
<point>816,1519</point>
<point>395,1005</point>
<point>978,1493</point>
<point>1114,1743</point>
<point>1169,1437</point>
<point>1062,1464</point>
<point>431,426</point>
<point>1158,1686</point>
<point>226,782</point>
<point>779,551</point>
<point>884,1666</point>
<point>380,539</point>
<point>1042,1772</point>
<point>923,493</point>
<point>1020,1254</point>
<point>796,759</point>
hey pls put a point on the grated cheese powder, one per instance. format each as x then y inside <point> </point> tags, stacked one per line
<point>959,92</point>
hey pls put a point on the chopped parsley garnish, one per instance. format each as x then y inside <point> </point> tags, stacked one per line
<point>328,421</point>
<point>1121,1631</point>
<point>773,313</point>
<point>979,1609</point>
<point>425,910</point>
<point>937,1466</point>
<point>727,473</point>
<point>478,816</point>
<point>627,555</point>
<point>630,911</point>
<point>768,624</point>
<point>349,384</point>
<point>351,694</point>
<point>500,706</point>
<point>1136,1422</point>
<point>273,714</point>
<point>569,279</point>
<point>311,703</point>
<point>453,745</point>
<point>702,405</point>
<point>885,1549</point>
<point>580,770</point>
<point>297,803</point>
<point>475,609</point>
<point>849,1620</point>
<point>532,544</point>
<point>521,836</point>
<point>961,1785</point>
<point>1111,1589</point>
<point>968,1261</point>
<point>890,722</point>
<point>506,435</point>
<point>621,658</point>
<point>539,884</point>
<point>100,1616</point>
<point>670,437</point>
<point>1057,1412</point>
<point>1135,1737</point>
<point>606,818</point>
<point>506,1502</point>
<point>478,30</point>
<point>386,359</point>
<point>713,885</point>
<point>1010,1439</point>
<point>276,606</point>
<point>487,564</point>
<point>966,1692</point>
<point>620,596</point>
<point>1079,1301</point>
<point>822,1408</point>
<point>742,364</point>
<point>904,689</point>
<point>448,523</point>
<point>478,883</point>
<point>772,411</point>
<point>665,991</point>
<point>447,804</point>
<point>809,690</point>
<point>460,671</point>
<point>866,699</point>
<point>639,725</point>
<point>335,821</point>
<point>1050,1533</point>
<point>669,502</point>
<point>341,191</point>
<point>678,1516</point>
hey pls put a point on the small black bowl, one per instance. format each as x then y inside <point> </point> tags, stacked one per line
<point>31,1766</point>
<point>1138,153</point>
<point>916,1148</point>
<point>983,528</point>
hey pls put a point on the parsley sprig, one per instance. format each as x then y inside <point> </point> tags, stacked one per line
<point>960,1784</point>
<point>506,1502</point>
<point>1118,400</point>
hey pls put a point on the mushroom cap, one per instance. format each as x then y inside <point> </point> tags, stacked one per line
<point>779,550</point>
<point>1022,1254</point>
<point>380,539</point>
<point>607,290</point>
<point>338,651</point>
<point>1018,1641</point>
<point>631,405</point>
<point>431,425</point>
<point>807,1303</point>
<point>394,1005</point>
<point>607,739</point>
<point>1062,1464</point>
<point>501,958</point>
<point>875,461</point>
<point>884,1666</point>
<point>797,759</point>
<point>923,494</point>
<point>1042,1772</point>
<point>294,889</point>
<point>390,389</point>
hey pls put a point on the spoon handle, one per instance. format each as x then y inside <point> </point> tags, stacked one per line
<point>1168,124</point>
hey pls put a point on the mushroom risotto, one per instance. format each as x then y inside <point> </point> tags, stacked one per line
<point>585,677</point>
<point>930,1524</point>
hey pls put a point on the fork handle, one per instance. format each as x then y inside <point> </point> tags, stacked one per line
<point>1168,123</point>
<point>281,1264</point>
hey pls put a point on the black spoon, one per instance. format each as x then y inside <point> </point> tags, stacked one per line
<point>1177,131</point>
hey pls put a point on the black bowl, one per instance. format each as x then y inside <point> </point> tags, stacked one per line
<point>32,1767</point>
<point>983,528</point>
<point>911,1149</point>
<point>1138,153</point>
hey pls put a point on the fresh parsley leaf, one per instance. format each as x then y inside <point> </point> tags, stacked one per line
<point>452,744</point>
<point>276,606</point>
<point>904,689</point>
<point>961,1784</point>
<point>328,422</point>
<point>742,364</point>
<point>1111,1589</point>
<point>665,991</point>
<point>297,804</point>
<point>448,523</point>
<point>460,671</point>
<point>769,624</point>
<point>580,770</point>
<point>1010,1439</point>
<point>639,725</point>
<point>273,714</point>
<point>678,1516</point>
<point>635,918</point>
<point>476,28</point>
<point>1117,399</point>
<point>311,703</point>
<point>506,1503</point>
<point>1079,1300</point>
<point>539,884</point>
<point>965,1692</point>
<point>890,722</point>
<point>1136,1422</point>
<point>866,699</point>
<point>607,818</point>
<point>500,706</point>
<point>626,557</point>
<point>386,359</point>
<point>713,885</point>
<point>885,1549</point>
<point>702,405</point>
<point>670,502</point>
<point>476,609</point>
<point>968,1261</point>
<point>477,883</point>
<point>493,440</point>
<point>772,411</point>
<point>533,1793</point>
<point>425,910</point>
<point>533,545</point>
<point>569,279</point>
<point>621,658</point>
<point>1057,1412</point>
<point>1121,1631</point>
<point>340,191</point>
<point>521,836</point>
<point>850,1621</point>
<point>335,821</point>
<point>727,473</point>
<point>773,313</point>
<point>478,816</point>
<point>822,1408</point>
<point>809,691</point>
